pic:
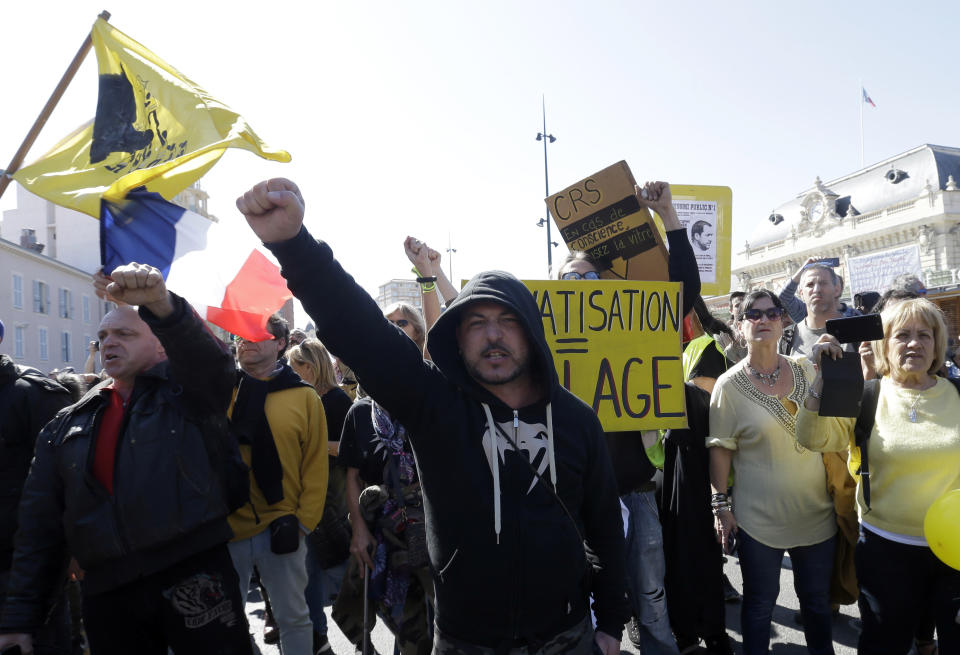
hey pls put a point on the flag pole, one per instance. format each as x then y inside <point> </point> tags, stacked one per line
<point>14,166</point>
<point>860,97</point>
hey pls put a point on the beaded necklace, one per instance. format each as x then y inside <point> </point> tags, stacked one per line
<point>769,378</point>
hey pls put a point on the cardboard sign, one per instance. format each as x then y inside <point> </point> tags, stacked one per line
<point>617,347</point>
<point>601,216</point>
<point>706,213</point>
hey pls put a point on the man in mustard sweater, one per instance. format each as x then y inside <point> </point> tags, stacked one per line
<point>279,422</point>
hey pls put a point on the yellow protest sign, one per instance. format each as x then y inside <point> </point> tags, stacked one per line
<point>617,346</point>
<point>706,213</point>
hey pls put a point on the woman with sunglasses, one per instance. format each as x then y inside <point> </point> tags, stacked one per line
<point>780,500</point>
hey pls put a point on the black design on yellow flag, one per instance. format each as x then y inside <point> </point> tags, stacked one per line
<point>113,129</point>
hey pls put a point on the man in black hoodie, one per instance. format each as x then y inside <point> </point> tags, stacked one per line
<point>516,480</point>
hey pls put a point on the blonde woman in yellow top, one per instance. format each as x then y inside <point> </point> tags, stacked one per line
<point>914,455</point>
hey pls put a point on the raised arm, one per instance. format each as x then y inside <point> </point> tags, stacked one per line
<point>419,255</point>
<point>93,349</point>
<point>788,295</point>
<point>681,264</point>
<point>388,364</point>
<point>199,362</point>
<point>445,286</point>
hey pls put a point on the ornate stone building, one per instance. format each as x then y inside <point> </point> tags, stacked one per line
<point>397,290</point>
<point>899,215</point>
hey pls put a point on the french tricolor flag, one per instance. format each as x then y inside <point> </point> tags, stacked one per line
<point>223,273</point>
<point>867,98</point>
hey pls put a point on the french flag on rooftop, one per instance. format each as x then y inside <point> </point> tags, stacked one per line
<point>867,98</point>
<point>223,273</point>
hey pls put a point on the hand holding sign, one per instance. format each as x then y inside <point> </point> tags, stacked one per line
<point>657,196</point>
<point>273,209</point>
<point>799,273</point>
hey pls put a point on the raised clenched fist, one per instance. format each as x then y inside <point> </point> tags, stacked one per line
<point>273,209</point>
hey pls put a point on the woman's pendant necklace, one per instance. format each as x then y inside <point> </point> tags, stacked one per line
<point>769,378</point>
<point>912,414</point>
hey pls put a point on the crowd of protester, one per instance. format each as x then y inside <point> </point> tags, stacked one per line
<point>427,470</point>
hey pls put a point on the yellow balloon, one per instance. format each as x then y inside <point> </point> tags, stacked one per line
<point>941,528</point>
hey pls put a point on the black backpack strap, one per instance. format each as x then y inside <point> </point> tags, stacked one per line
<point>862,430</point>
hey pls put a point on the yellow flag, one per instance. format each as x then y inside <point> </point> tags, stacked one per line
<point>153,127</point>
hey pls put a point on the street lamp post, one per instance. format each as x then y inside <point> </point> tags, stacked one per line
<point>450,251</point>
<point>546,138</point>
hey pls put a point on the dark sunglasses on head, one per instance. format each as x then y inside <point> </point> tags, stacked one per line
<point>773,313</point>
<point>573,275</point>
<point>400,322</point>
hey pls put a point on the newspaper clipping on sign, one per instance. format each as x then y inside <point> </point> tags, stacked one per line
<point>699,219</point>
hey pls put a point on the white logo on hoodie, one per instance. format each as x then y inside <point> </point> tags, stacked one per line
<point>531,438</point>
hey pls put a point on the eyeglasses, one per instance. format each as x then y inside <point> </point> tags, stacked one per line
<point>573,275</point>
<point>400,322</point>
<point>773,314</point>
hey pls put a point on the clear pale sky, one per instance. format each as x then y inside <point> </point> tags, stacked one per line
<point>420,117</point>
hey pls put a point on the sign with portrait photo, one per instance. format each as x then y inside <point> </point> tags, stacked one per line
<point>705,213</point>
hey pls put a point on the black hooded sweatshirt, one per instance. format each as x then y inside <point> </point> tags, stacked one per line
<point>524,578</point>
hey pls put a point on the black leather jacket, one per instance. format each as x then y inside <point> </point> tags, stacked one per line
<point>167,503</point>
<point>28,400</point>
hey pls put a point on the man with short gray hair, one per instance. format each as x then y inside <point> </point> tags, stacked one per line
<point>820,289</point>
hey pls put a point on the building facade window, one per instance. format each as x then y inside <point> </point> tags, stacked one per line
<point>85,303</point>
<point>17,291</point>
<point>19,339</point>
<point>42,336</point>
<point>41,297</point>
<point>66,303</point>
<point>65,353</point>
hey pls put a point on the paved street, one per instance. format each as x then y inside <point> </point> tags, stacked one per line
<point>786,636</point>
